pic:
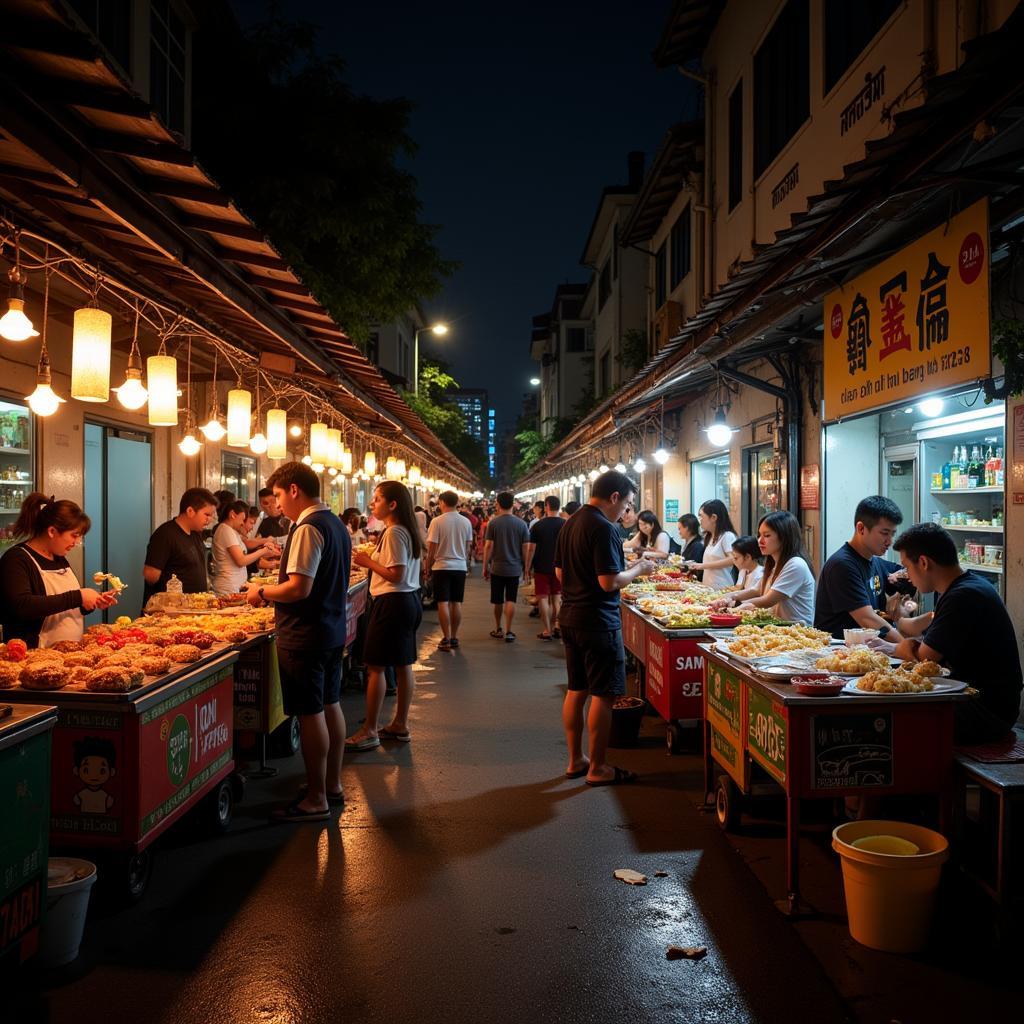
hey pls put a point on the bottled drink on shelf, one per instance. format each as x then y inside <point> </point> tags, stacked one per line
<point>990,467</point>
<point>975,468</point>
<point>1000,479</point>
<point>946,484</point>
<point>954,468</point>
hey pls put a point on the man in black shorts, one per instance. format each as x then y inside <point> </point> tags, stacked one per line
<point>309,615</point>
<point>449,549</point>
<point>590,564</point>
<point>506,558</point>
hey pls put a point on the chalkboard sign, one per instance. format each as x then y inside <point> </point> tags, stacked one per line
<point>851,751</point>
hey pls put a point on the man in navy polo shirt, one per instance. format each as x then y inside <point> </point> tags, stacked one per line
<point>856,580</point>
<point>309,615</point>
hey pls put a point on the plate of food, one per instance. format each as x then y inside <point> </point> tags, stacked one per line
<point>853,661</point>
<point>896,681</point>
<point>815,685</point>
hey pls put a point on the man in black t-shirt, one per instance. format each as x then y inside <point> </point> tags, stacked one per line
<point>543,539</point>
<point>177,549</point>
<point>273,523</point>
<point>854,582</point>
<point>590,565</point>
<point>971,633</point>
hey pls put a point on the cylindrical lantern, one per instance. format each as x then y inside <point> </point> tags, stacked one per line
<point>318,442</point>
<point>346,462</point>
<point>389,467</point>
<point>333,448</point>
<point>415,475</point>
<point>277,434</point>
<point>239,417</point>
<point>162,378</point>
<point>400,469</point>
<point>90,355</point>
<point>370,463</point>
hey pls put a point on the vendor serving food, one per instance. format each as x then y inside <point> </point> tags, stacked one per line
<point>41,599</point>
<point>971,633</point>
<point>856,579</point>
<point>651,539</point>
<point>787,584</point>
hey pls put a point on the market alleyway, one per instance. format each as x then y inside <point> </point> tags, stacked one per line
<point>466,880</point>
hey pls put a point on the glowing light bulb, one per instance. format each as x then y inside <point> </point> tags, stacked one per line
<point>189,445</point>
<point>132,394</point>
<point>258,443</point>
<point>14,325</point>
<point>640,466</point>
<point>213,429</point>
<point>661,456</point>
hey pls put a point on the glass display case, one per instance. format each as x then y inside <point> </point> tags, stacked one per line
<point>17,466</point>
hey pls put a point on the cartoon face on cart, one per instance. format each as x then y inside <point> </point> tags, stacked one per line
<point>95,764</point>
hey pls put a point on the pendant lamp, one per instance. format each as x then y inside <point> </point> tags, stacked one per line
<point>239,416</point>
<point>318,442</point>
<point>162,377</point>
<point>90,352</point>
<point>258,441</point>
<point>213,429</point>
<point>14,324</point>
<point>132,394</point>
<point>44,401</point>
<point>277,434</point>
<point>370,463</point>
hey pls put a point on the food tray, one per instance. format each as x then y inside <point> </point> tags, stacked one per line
<point>236,609</point>
<point>939,685</point>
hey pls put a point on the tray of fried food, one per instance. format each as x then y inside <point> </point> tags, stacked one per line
<point>928,669</point>
<point>10,673</point>
<point>43,674</point>
<point>890,681</point>
<point>752,642</point>
<point>853,661</point>
<point>119,678</point>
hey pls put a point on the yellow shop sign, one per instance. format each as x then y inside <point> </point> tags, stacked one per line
<point>916,323</point>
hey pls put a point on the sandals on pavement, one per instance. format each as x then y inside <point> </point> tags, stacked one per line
<point>453,643</point>
<point>294,813</point>
<point>545,636</point>
<point>621,777</point>
<point>334,799</point>
<point>445,644</point>
<point>497,633</point>
<point>366,743</point>
<point>395,734</point>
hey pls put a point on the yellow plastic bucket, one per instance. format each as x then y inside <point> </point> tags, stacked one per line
<point>890,896</point>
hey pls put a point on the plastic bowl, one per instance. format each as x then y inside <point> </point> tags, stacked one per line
<point>822,685</point>
<point>725,620</point>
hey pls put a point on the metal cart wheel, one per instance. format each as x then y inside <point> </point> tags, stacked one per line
<point>219,806</point>
<point>727,803</point>
<point>286,738</point>
<point>674,739</point>
<point>137,871</point>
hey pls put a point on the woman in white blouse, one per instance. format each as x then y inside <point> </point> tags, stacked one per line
<point>788,583</point>
<point>650,540</point>
<point>231,557</point>
<point>719,533</point>
<point>395,614</point>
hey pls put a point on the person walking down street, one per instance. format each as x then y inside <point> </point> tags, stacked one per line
<point>395,614</point>
<point>543,540</point>
<point>310,600</point>
<point>449,550</point>
<point>176,548</point>
<point>506,559</point>
<point>590,565</point>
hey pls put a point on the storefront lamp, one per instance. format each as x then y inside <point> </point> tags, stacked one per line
<point>370,463</point>
<point>90,355</point>
<point>162,375</point>
<point>400,469</point>
<point>415,475</point>
<point>258,443</point>
<point>602,468</point>
<point>620,467</point>
<point>189,444</point>
<point>318,443</point>
<point>639,465</point>
<point>44,401</point>
<point>661,456</point>
<point>346,463</point>
<point>307,459</point>
<point>593,474</point>
<point>277,434</point>
<point>239,416</point>
<point>930,407</point>
<point>719,432</point>
<point>295,430</point>
<point>14,325</point>
<point>333,448</point>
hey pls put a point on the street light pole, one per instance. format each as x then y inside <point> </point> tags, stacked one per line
<point>438,330</point>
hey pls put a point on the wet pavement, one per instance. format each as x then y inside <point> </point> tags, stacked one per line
<point>468,880</point>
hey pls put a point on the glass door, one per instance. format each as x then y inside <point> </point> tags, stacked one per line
<point>763,485</point>
<point>238,475</point>
<point>901,481</point>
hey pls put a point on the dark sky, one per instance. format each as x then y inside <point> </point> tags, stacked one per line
<point>524,112</point>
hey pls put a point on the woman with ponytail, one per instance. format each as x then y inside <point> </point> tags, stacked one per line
<point>41,600</point>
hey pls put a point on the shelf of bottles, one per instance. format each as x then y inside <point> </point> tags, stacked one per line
<point>16,465</point>
<point>964,482</point>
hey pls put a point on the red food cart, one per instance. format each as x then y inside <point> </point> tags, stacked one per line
<point>127,766</point>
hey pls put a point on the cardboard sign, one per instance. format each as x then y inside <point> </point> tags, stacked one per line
<point>916,323</point>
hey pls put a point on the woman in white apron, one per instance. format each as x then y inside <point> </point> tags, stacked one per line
<point>41,599</point>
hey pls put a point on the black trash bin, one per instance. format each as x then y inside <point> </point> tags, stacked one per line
<point>627,714</point>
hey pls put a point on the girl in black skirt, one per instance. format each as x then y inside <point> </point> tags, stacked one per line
<point>395,613</point>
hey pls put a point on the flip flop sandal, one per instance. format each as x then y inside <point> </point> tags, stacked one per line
<point>444,645</point>
<point>578,774</point>
<point>294,813</point>
<point>545,636</point>
<point>393,734</point>
<point>510,638</point>
<point>366,743</point>
<point>453,643</point>
<point>334,799</point>
<point>497,633</point>
<point>621,777</point>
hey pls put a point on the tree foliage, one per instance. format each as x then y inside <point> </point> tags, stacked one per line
<point>316,166</point>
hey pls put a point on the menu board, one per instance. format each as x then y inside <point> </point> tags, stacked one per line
<point>851,751</point>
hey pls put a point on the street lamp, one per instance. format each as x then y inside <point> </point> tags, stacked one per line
<point>535,381</point>
<point>439,330</point>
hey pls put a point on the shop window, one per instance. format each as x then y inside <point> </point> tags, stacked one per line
<point>167,73</point>
<point>16,465</point>
<point>848,30</point>
<point>659,277</point>
<point>736,146</point>
<point>681,247</point>
<point>764,485</point>
<point>238,474</point>
<point>604,284</point>
<point>709,479</point>
<point>110,21</point>
<point>781,83</point>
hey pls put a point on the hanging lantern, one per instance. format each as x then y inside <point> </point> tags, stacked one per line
<point>346,463</point>
<point>370,463</point>
<point>415,475</point>
<point>162,375</point>
<point>14,325</point>
<point>90,355</point>
<point>189,444</point>
<point>389,467</point>
<point>318,442</point>
<point>400,469</point>
<point>239,416</point>
<point>44,401</point>
<point>277,434</point>
<point>333,448</point>
<point>132,393</point>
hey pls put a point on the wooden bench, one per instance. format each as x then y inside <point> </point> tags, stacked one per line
<point>989,844</point>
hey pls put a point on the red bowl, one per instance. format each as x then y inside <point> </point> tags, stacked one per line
<point>725,620</point>
<point>818,685</point>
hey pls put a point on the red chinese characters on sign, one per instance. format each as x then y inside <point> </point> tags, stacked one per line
<point>810,487</point>
<point>894,337</point>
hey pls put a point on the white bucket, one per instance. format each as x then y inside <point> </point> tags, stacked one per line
<point>890,896</point>
<point>69,882</point>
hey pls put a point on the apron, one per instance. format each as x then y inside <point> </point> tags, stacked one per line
<point>64,625</point>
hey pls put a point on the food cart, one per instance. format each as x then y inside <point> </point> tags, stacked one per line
<point>25,735</point>
<point>127,766</point>
<point>818,747</point>
<point>672,664</point>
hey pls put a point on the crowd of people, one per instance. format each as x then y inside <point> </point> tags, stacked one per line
<point>578,558</point>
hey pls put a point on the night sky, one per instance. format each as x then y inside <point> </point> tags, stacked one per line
<point>520,123</point>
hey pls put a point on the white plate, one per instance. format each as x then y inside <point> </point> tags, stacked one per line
<point>938,686</point>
